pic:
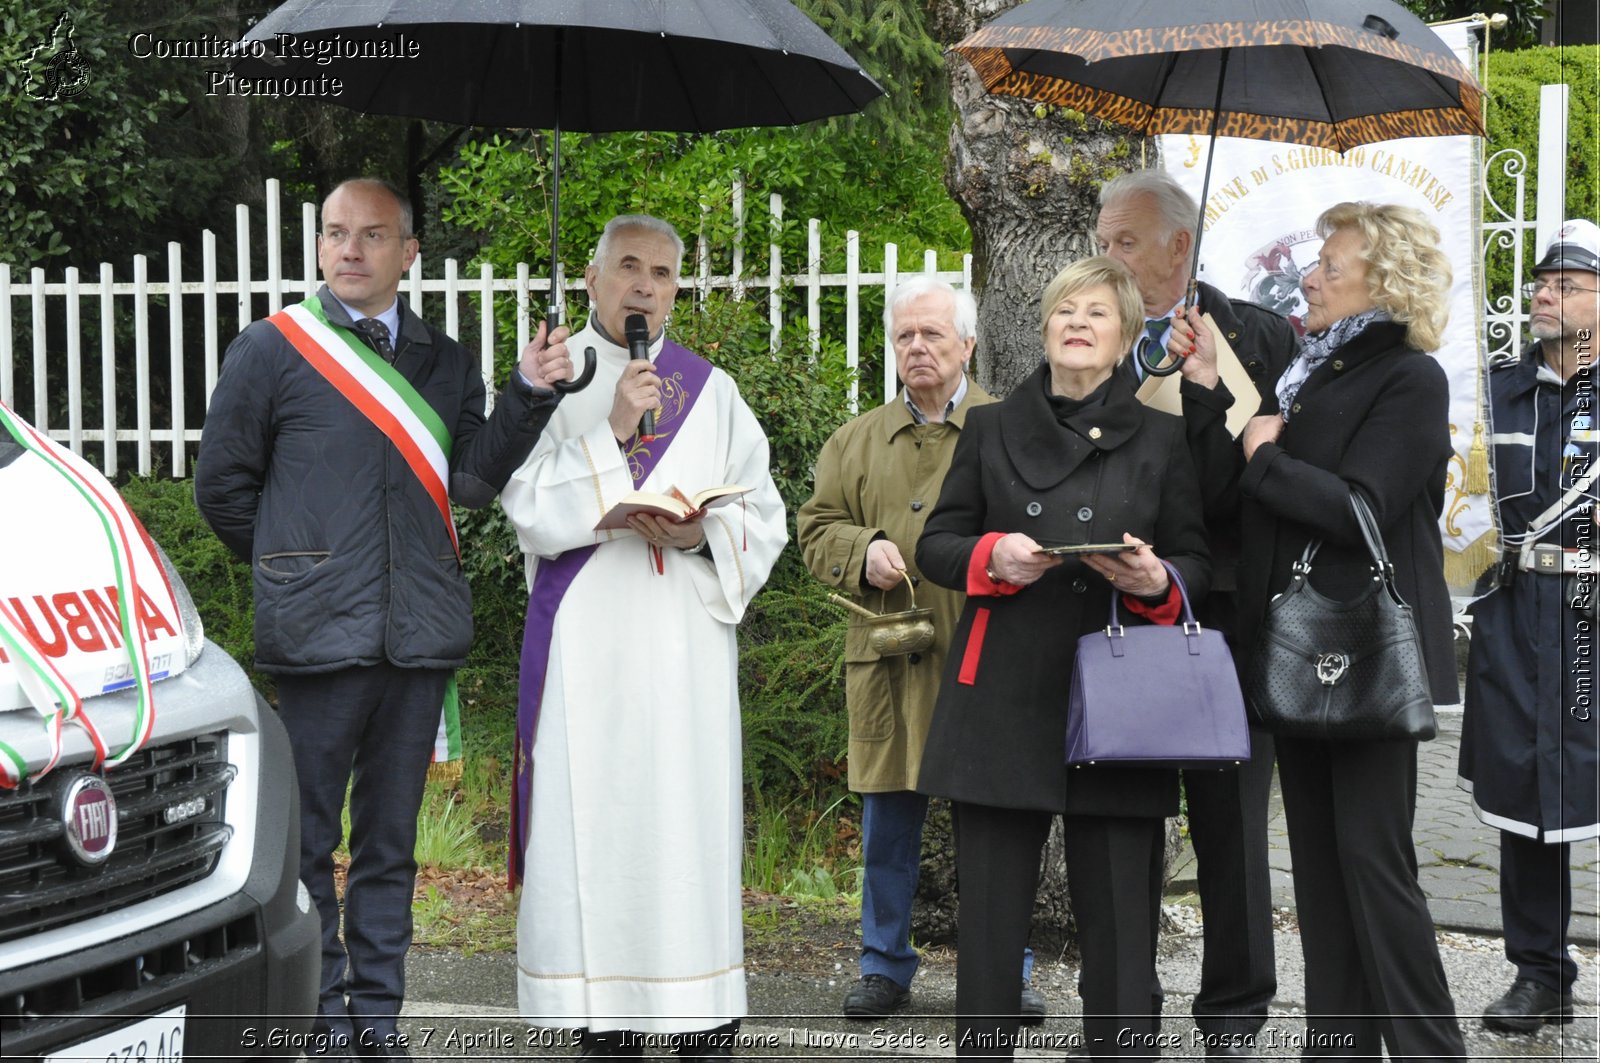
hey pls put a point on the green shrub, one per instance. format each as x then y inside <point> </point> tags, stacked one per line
<point>1515,79</point>
<point>793,848</point>
<point>219,583</point>
<point>447,833</point>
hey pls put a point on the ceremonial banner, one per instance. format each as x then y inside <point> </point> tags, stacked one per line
<point>1260,239</point>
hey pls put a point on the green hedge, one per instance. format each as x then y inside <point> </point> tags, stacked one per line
<point>219,584</point>
<point>1515,79</point>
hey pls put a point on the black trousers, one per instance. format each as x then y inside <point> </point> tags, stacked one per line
<point>1114,882</point>
<point>1535,908</point>
<point>1373,972</point>
<point>1228,827</point>
<point>370,729</point>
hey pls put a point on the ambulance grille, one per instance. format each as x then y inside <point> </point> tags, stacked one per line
<point>170,831</point>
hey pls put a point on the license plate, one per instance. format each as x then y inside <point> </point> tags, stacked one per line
<point>158,1039</point>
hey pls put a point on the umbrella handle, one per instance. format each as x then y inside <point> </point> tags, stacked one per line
<point>1152,356</point>
<point>567,387</point>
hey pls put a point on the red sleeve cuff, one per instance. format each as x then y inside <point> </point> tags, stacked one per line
<point>1165,613</point>
<point>978,582</point>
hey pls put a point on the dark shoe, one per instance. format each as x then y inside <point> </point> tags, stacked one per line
<point>1527,1006</point>
<point>875,997</point>
<point>328,1044</point>
<point>1032,1009</point>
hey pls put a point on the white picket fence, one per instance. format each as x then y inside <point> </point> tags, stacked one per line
<point>175,441</point>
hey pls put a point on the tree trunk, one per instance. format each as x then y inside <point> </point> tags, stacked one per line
<point>1026,177</point>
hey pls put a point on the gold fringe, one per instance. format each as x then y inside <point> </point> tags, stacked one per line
<point>447,772</point>
<point>1463,567</point>
<point>1478,463</point>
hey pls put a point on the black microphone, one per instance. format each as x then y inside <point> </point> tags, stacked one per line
<point>637,332</point>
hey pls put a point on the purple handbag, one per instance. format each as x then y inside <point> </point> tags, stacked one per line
<point>1156,696</point>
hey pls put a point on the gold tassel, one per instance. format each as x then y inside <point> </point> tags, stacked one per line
<point>447,772</point>
<point>1478,463</point>
<point>1463,567</point>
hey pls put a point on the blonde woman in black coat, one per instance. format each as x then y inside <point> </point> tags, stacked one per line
<point>1070,457</point>
<point>1361,406</point>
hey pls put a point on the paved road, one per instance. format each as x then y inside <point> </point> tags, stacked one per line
<point>1458,858</point>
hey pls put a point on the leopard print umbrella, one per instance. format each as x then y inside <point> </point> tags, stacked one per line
<point>1325,73</point>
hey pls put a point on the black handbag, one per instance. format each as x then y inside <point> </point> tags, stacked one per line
<point>1342,671</point>
<point>1156,696</point>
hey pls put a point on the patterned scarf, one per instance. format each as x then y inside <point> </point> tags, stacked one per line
<point>1315,349</point>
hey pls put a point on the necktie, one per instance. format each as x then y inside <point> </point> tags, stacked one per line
<point>1150,345</point>
<point>378,334</point>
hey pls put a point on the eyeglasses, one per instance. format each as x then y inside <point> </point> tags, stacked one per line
<point>1564,288</point>
<point>371,240</point>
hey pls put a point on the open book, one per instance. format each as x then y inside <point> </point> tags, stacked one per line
<point>674,505</point>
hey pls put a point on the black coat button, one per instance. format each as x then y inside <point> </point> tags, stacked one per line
<point>914,658</point>
<point>1085,514</point>
<point>916,506</point>
<point>837,570</point>
<point>1034,509</point>
<point>1079,586</point>
<point>1295,408</point>
<point>1338,363</point>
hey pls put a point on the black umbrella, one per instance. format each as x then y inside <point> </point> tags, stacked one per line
<point>592,66</point>
<point>1326,73</point>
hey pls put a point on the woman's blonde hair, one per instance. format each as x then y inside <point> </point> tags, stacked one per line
<point>1092,273</point>
<point>1407,274</point>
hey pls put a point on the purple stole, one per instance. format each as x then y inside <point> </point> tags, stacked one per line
<point>683,377</point>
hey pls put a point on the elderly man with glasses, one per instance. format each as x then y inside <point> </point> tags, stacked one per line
<point>1528,741</point>
<point>340,431</point>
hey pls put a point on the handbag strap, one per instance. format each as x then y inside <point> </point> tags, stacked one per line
<point>1183,595</point>
<point>1369,534</point>
<point>1374,538</point>
<point>1369,531</point>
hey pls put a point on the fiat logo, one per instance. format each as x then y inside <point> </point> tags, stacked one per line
<point>89,816</point>
<point>1331,668</point>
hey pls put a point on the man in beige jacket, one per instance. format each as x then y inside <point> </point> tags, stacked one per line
<point>877,480</point>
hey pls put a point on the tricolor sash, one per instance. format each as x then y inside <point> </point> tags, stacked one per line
<point>683,378</point>
<point>380,393</point>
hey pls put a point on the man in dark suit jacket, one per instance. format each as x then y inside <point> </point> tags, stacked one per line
<point>1147,222</point>
<point>339,433</point>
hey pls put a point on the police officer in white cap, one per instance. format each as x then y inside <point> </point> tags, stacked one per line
<point>1528,742</point>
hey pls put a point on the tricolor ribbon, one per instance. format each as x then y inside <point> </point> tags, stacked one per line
<point>52,695</point>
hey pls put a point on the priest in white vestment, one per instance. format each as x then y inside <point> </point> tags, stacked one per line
<point>627,819</point>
